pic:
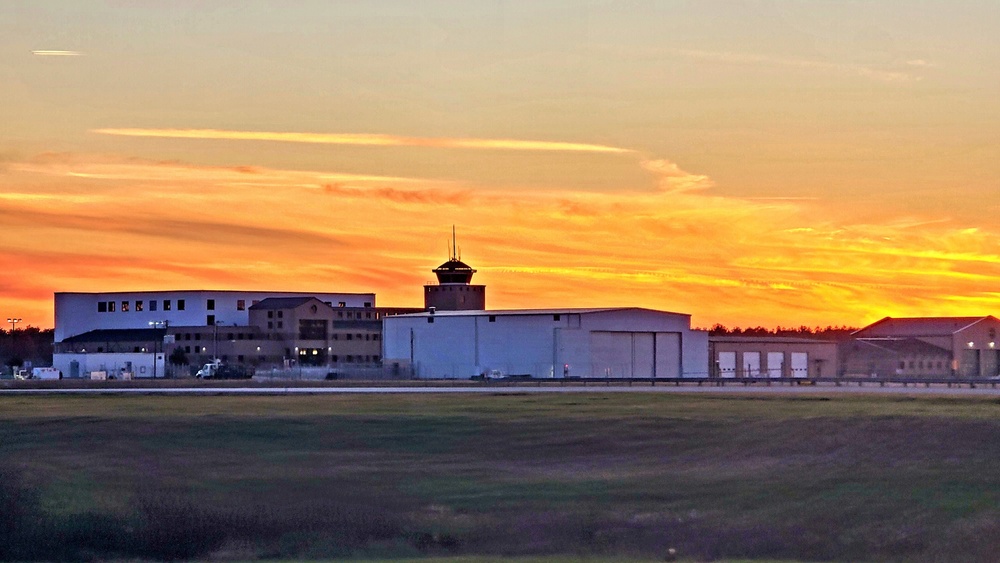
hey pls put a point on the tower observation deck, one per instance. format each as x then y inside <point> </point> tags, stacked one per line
<point>454,290</point>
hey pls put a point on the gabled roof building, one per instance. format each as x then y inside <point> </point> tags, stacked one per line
<point>925,346</point>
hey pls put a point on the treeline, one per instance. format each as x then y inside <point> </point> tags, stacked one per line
<point>819,333</point>
<point>30,344</point>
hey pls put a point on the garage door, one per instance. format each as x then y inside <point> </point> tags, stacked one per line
<point>668,354</point>
<point>726,363</point>
<point>635,354</point>
<point>611,354</point>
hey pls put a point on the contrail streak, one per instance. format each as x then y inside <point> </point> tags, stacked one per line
<point>365,140</point>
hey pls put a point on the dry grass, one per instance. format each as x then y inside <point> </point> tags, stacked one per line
<point>764,478</point>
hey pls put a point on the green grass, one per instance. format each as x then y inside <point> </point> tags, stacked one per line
<point>556,477</point>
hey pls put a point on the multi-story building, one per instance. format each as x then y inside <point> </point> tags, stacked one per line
<point>151,334</point>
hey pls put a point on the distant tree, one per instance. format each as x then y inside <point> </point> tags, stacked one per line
<point>178,357</point>
<point>828,333</point>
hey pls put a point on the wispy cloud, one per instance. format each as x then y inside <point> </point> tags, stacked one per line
<point>53,53</point>
<point>365,139</point>
<point>847,68</point>
<point>681,247</point>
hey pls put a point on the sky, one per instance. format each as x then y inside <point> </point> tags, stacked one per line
<point>758,162</point>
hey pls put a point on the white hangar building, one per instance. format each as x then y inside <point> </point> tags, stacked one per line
<point>612,342</point>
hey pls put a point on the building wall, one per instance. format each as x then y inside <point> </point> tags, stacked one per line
<point>549,344</point>
<point>455,297</point>
<point>76,313</point>
<point>755,357</point>
<point>140,364</point>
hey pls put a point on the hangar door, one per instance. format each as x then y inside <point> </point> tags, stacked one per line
<point>635,354</point>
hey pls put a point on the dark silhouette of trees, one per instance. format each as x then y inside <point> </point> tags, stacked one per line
<point>820,333</point>
<point>30,344</point>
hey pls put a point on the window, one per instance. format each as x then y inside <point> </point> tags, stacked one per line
<point>239,358</point>
<point>334,358</point>
<point>375,337</point>
<point>280,324</point>
<point>340,314</point>
<point>350,337</point>
<point>342,304</point>
<point>375,358</point>
<point>335,336</point>
<point>180,304</point>
<point>255,301</point>
<point>430,319</point>
<point>493,318</point>
<point>241,304</point>
<point>187,349</point>
<point>102,307</point>
<point>210,304</point>
<point>111,306</point>
<point>312,329</point>
<point>166,304</point>
<point>187,336</point>
<point>270,314</point>
<point>138,306</point>
<point>368,304</point>
<point>99,349</point>
<point>349,358</point>
<point>368,315</point>
<point>124,306</point>
<point>281,314</point>
<point>270,324</point>
<point>152,304</point>
<point>230,336</point>
<point>197,336</point>
<point>555,317</point>
<point>210,320</point>
<point>366,336</point>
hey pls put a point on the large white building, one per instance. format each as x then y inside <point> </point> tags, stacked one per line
<point>136,331</point>
<point>611,342</point>
<point>77,313</point>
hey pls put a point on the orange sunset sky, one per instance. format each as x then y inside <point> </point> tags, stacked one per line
<point>747,162</point>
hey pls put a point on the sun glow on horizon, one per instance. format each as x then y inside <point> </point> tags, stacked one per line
<point>680,248</point>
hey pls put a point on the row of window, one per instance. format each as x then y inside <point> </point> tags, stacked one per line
<point>920,365</point>
<point>110,306</point>
<point>232,336</point>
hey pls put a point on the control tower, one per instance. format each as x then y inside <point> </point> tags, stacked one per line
<point>454,290</point>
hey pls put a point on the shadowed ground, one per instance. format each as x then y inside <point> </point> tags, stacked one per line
<point>848,478</point>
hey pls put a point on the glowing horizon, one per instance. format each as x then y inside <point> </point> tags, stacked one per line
<point>779,163</point>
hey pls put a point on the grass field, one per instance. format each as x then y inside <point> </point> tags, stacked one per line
<point>622,477</point>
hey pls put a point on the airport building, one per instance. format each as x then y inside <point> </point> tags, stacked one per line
<point>772,357</point>
<point>925,347</point>
<point>609,342</point>
<point>151,334</point>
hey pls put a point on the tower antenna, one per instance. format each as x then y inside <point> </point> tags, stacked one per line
<point>454,244</point>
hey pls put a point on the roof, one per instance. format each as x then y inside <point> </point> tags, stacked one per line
<point>513,312</point>
<point>920,326</point>
<point>905,346</point>
<point>455,265</point>
<point>284,302</point>
<point>773,339</point>
<point>119,335</point>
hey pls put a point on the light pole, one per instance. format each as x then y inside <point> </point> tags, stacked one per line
<point>155,324</point>
<point>13,323</point>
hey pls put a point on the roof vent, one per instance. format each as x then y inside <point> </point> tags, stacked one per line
<point>432,310</point>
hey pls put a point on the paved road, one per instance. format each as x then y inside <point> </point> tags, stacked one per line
<point>507,390</point>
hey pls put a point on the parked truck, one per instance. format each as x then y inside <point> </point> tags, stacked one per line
<point>46,373</point>
<point>218,370</point>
